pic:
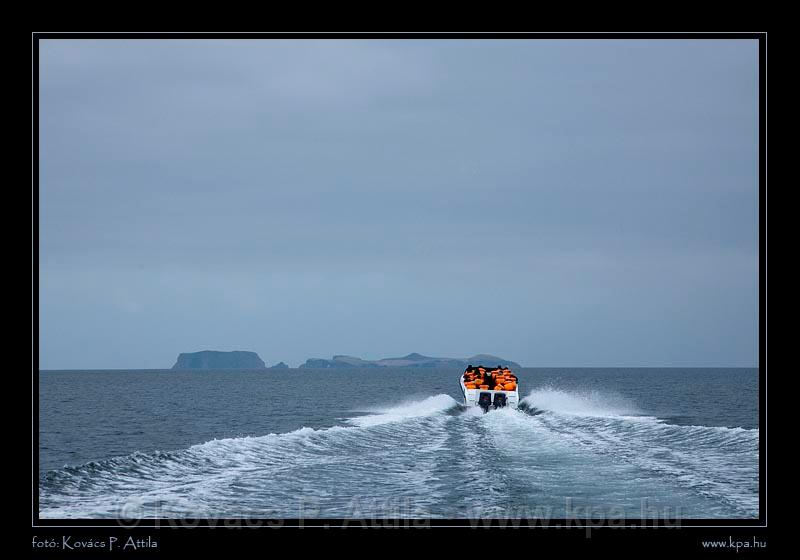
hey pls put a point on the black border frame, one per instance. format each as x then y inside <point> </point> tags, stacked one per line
<point>587,525</point>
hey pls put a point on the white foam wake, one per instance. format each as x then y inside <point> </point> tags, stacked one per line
<point>398,445</point>
<point>581,403</point>
<point>717,462</point>
<point>418,459</point>
<point>412,409</point>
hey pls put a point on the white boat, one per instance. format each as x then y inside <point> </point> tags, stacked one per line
<point>489,388</point>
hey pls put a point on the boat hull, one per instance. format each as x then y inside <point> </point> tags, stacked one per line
<point>472,396</point>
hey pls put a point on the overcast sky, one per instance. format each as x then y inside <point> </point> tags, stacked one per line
<point>557,203</point>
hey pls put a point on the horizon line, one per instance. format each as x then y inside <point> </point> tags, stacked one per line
<point>403,367</point>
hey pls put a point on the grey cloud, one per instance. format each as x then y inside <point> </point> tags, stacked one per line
<point>315,197</point>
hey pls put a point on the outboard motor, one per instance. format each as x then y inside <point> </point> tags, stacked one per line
<point>485,401</point>
<point>499,400</point>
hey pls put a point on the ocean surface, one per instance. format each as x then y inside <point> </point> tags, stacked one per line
<point>395,443</point>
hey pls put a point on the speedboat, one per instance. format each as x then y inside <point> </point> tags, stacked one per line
<point>489,388</point>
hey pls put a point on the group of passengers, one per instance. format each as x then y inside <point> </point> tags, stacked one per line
<point>493,379</point>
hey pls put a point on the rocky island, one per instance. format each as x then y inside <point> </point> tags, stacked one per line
<point>212,359</point>
<point>411,360</point>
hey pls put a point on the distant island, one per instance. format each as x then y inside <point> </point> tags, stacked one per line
<point>212,359</point>
<point>412,360</point>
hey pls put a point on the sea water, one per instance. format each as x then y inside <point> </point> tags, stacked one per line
<point>395,443</point>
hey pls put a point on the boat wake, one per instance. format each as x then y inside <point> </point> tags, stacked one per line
<point>720,463</point>
<point>434,458</point>
<point>410,409</point>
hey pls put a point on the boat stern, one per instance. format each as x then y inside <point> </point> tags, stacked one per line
<point>489,399</point>
<point>489,388</point>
